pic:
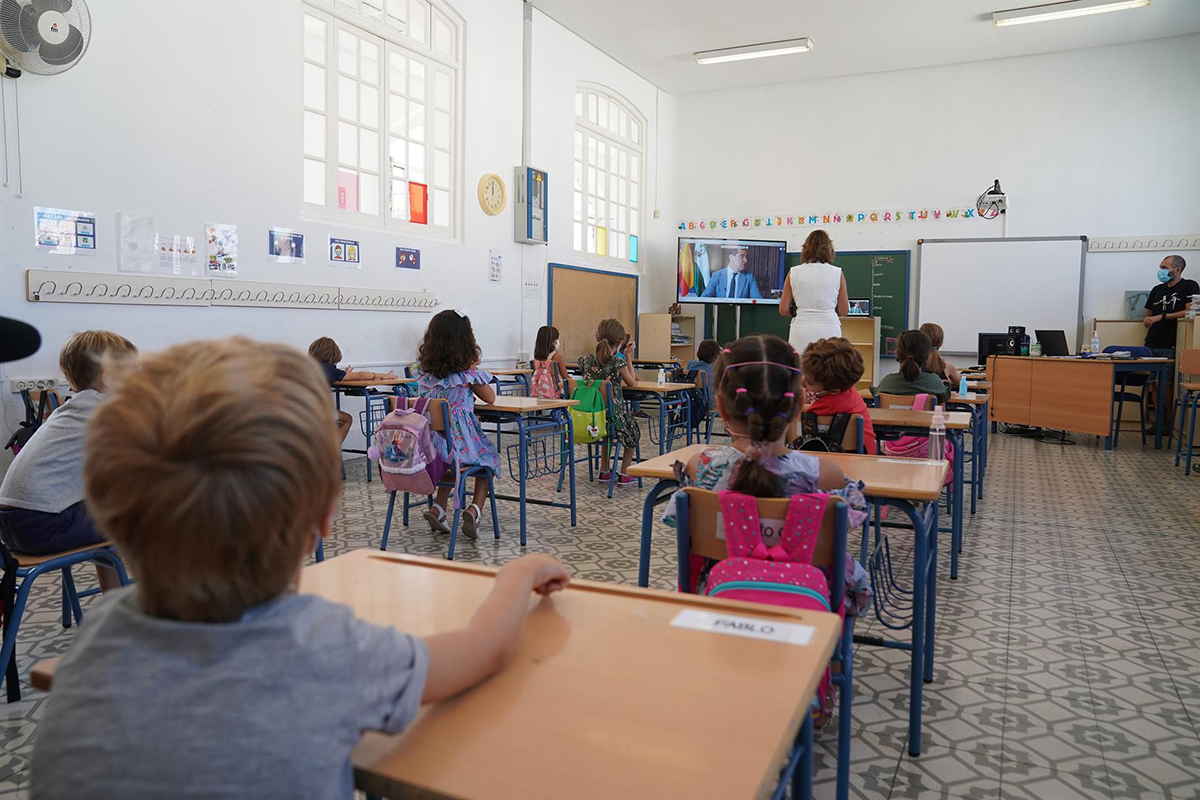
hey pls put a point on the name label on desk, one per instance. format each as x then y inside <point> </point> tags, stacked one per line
<point>748,627</point>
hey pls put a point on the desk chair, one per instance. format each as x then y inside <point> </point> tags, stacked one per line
<point>21,570</point>
<point>853,440</point>
<point>1189,406</point>
<point>709,417</point>
<point>594,448</point>
<point>1121,393</point>
<point>696,534</point>
<point>905,401</point>
<point>438,413</point>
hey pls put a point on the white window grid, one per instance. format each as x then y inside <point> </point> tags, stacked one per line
<point>608,177</point>
<point>382,83</point>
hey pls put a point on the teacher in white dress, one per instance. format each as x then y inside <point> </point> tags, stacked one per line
<point>814,294</point>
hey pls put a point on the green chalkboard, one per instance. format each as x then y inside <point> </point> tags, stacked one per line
<point>881,275</point>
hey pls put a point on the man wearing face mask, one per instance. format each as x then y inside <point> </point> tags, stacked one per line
<point>1167,302</point>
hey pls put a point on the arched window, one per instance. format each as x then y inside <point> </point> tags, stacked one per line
<point>609,155</point>
<point>382,113</point>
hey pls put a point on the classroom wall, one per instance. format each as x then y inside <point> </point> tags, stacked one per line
<point>205,127</point>
<point>1098,142</point>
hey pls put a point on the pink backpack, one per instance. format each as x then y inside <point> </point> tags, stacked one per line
<point>403,446</point>
<point>917,446</point>
<point>777,569</point>
<point>542,382</point>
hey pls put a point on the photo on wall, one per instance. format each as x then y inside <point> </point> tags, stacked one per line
<point>285,246</point>
<point>1135,304</point>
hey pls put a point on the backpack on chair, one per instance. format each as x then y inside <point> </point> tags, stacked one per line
<point>916,446</point>
<point>812,438</point>
<point>403,446</point>
<point>588,418</point>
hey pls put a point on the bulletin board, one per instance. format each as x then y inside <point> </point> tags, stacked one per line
<point>580,297</point>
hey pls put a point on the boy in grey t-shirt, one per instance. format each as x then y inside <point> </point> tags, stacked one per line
<point>211,677</point>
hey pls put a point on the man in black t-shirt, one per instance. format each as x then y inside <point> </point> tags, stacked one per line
<point>1167,302</point>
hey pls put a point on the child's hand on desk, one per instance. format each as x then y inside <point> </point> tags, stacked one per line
<point>545,573</point>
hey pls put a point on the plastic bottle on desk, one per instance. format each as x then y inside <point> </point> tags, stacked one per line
<point>962,386</point>
<point>1095,342</point>
<point>937,435</point>
<point>662,376</point>
<point>1025,345</point>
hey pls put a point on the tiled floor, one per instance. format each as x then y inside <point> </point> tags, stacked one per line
<point>1068,657</point>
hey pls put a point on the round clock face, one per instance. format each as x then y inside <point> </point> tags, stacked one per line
<point>492,194</point>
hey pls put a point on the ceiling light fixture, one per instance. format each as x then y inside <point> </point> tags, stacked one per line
<point>763,50</point>
<point>1052,11</point>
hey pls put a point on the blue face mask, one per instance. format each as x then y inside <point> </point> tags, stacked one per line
<point>1164,275</point>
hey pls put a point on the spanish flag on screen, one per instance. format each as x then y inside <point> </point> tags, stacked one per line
<point>687,269</point>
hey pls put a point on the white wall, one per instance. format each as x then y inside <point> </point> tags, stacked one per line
<point>205,127</point>
<point>1095,142</point>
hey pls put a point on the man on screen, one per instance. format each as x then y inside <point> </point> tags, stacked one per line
<point>734,280</point>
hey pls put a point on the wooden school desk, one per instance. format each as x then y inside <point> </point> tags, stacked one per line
<point>670,397</point>
<point>534,416</point>
<point>905,420</point>
<point>367,390</point>
<point>898,482</point>
<point>600,700</point>
<point>1067,394</point>
<point>603,699</point>
<point>977,404</point>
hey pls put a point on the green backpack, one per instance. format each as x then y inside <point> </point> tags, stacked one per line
<point>588,417</point>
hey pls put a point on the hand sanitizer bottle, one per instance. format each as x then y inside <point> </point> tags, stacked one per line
<point>1095,342</point>
<point>962,386</point>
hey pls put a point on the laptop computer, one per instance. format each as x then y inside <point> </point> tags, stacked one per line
<point>1054,343</point>
<point>859,308</point>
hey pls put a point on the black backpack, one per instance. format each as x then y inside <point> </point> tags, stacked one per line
<point>826,441</point>
<point>696,400</point>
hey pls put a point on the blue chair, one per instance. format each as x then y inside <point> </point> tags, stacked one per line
<point>21,570</point>
<point>696,534</point>
<point>438,412</point>
<point>1128,380</point>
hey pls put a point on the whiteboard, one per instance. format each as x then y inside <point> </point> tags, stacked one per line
<point>972,286</point>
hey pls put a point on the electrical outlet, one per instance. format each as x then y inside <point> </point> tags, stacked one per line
<point>32,384</point>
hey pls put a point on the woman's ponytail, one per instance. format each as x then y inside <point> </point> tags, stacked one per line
<point>912,351</point>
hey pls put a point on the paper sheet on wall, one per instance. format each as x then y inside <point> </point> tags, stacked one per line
<point>176,255</point>
<point>285,246</point>
<point>494,264</point>
<point>221,244</point>
<point>64,232</point>
<point>135,243</point>
<point>533,288</point>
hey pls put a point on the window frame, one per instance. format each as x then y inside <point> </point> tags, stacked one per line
<point>588,129</point>
<point>337,16</point>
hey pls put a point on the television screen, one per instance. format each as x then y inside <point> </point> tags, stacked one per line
<point>730,270</point>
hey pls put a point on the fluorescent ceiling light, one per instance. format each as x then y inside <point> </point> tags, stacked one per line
<point>763,50</point>
<point>1074,8</point>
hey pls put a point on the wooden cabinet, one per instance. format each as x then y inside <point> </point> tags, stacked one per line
<point>863,333</point>
<point>662,337</point>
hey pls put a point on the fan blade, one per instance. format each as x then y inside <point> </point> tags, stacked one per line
<point>61,6</point>
<point>59,54</point>
<point>18,26</point>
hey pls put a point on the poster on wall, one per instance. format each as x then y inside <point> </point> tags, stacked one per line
<point>175,255</point>
<point>408,258</point>
<point>418,203</point>
<point>135,243</point>
<point>1135,304</point>
<point>221,244</point>
<point>64,232</point>
<point>285,246</point>
<point>494,263</point>
<point>344,253</point>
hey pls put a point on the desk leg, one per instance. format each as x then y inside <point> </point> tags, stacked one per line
<point>983,426</point>
<point>648,526</point>
<point>931,582</point>
<point>367,408</point>
<point>921,543</point>
<point>802,777</point>
<point>956,520</point>
<point>662,425</point>
<point>976,449</point>
<point>569,450</point>
<point>523,451</point>
<point>1158,408</point>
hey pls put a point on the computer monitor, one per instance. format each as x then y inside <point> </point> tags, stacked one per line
<point>1054,343</point>
<point>859,308</point>
<point>991,344</point>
